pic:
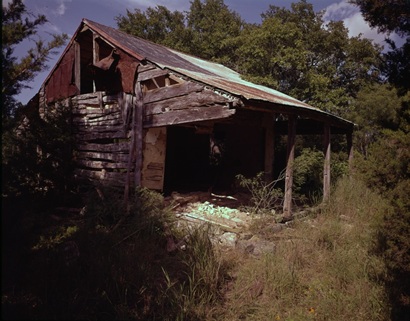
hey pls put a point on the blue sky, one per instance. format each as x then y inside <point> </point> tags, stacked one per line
<point>66,15</point>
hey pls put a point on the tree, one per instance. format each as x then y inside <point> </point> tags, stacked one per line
<point>22,127</point>
<point>295,53</point>
<point>18,26</point>
<point>391,16</point>
<point>207,31</point>
<point>156,24</point>
<point>214,28</point>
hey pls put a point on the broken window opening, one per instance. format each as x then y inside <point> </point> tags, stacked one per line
<point>101,75</point>
<point>158,82</point>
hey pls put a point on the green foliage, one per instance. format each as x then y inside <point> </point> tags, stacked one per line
<point>156,24</point>
<point>376,108</point>
<point>308,171</point>
<point>386,168</point>
<point>294,52</point>
<point>208,30</point>
<point>36,156</point>
<point>52,241</point>
<point>31,161</point>
<point>213,28</point>
<point>265,196</point>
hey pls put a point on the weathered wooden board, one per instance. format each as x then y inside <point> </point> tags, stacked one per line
<point>171,91</point>
<point>107,126</point>
<point>102,156</point>
<point>190,100</point>
<point>99,165</point>
<point>151,74</point>
<point>187,116</point>
<point>95,136</point>
<point>115,147</point>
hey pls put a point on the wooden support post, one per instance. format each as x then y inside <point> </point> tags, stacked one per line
<point>138,132</point>
<point>287,203</point>
<point>96,55</point>
<point>77,67</point>
<point>349,137</point>
<point>326,166</point>
<point>269,123</point>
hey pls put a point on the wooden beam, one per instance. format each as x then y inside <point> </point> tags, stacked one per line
<point>287,203</point>
<point>96,55</point>
<point>189,115</point>
<point>149,74</point>
<point>326,166</point>
<point>171,92</point>
<point>139,111</point>
<point>311,113</point>
<point>77,66</point>
<point>269,124</point>
<point>193,99</point>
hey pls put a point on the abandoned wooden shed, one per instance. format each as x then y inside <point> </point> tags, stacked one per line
<point>146,115</point>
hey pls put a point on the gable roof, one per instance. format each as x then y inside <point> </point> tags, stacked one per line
<point>210,73</point>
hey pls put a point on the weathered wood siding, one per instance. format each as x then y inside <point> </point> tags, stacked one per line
<point>101,128</point>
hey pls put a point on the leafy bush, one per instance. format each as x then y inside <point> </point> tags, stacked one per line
<point>265,196</point>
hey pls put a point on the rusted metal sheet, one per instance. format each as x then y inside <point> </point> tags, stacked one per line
<point>61,83</point>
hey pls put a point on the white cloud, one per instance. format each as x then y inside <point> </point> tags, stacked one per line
<point>61,9</point>
<point>353,20</point>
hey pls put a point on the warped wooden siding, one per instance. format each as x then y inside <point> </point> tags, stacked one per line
<point>101,128</point>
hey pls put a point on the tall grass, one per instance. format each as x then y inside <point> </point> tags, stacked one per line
<point>323,268</point>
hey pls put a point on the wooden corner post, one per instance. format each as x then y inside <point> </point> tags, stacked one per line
<point>287,203</point>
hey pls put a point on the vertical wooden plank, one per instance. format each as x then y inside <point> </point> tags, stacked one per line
<point>77,67</point>
<point>167,81</point>
<point>138,132</point>
<point>269,124</point>
<point>96,57</point>
<point>287,203</point>
<point>326,166</point>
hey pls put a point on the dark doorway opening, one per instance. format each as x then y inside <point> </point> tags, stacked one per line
<point>187,160</point>
<point>210,161</point>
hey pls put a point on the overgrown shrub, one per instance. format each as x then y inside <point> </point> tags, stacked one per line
<point>265,196</point>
